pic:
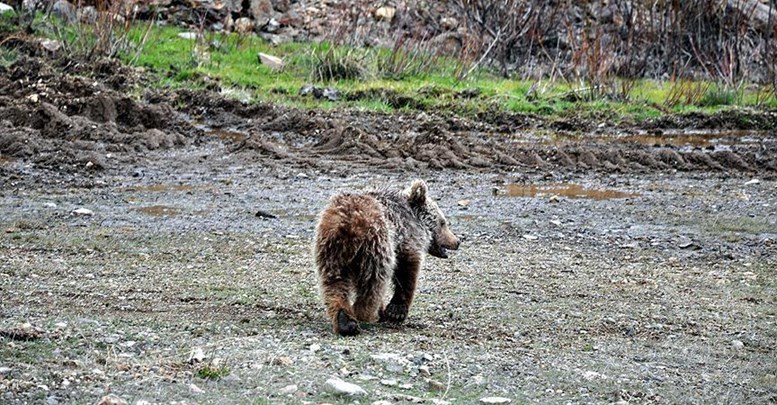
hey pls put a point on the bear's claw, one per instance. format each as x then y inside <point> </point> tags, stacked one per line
<point>394,313</point>
<point>345,325</point>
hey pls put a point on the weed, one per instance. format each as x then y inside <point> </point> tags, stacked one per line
<point>210,372</point>
<point>338,63</point>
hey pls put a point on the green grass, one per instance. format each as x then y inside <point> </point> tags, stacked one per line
<point>208,372</point>
<point>387,78</point>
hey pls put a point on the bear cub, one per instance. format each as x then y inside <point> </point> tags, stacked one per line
<point>366,241</point>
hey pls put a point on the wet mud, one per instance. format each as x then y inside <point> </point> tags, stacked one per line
<point>85,121</point>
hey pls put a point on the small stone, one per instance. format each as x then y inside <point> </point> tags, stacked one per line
<point>50,205</point>
<point>197,356</point>
<point>382,402</point>
<point>385,13</point>
<point>5,370</point>
<point>463,204</point>
<point>83,212</point>
<point>435,385</point>
<point>195,389</point>
<point>244,25</point>
<point>424,371</point>
<point>5,8</point>
<point>737,344</point>
<point>554,199</point>
<point>338,386</point>
<point>389,383</point>
<point>449,23</point>
<point>282,361</point>
<point>111,400</point>
<point>530,237</point>
<point>188,35</point>
<point>64,10</point>
<point>494,400</point>
<point>406,386</point>
<point>50,45</point>
<point>753,181</point>
<point>314,347</point>
<point>262,11</point>
<point>289,389</point>
<point>273,62</point>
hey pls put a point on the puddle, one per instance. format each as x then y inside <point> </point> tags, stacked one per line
<point>158,188</point>
<point>159,210</point>
<point>568,190</point>
<point>696,139</point>
<point>227,135</point>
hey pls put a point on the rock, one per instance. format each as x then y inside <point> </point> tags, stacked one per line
<point>5,8</point>
<point>433,385</point>
<point>494,400</point>
<point>87,15</point>
<point>424,370</point>
<point>382,402</point>
<point>338,386</point>
<point>463,204</point>
<point>315,346</point>
<point>188,35</point>
<point>393,362</point>
<point>244,25</point>
<point>50,205</point>
<point>389,383</point>
<point>197,356</point>
<point>111,400</point>
<point>5,370</point>
<point>530,237</point>
<point>50,45</point>
<point>737,344</point>
<point>385,13</point>
<point>593,375</point>
<point>282,361</point>
<point>289,389</point>
<point>449,23</point>
<point>64,10</point>
<point>265,214</point>
<point>83,212</point>
<point>273,62</point>
<point>554,199</point>
<point>753,181</point>
<point>262,11</point>
<point>195,389</point>
<point>319,93</point>
<point>282,5</point>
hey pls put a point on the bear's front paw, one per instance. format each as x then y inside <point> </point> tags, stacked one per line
<point>345,325</point>
<point>394,313</point>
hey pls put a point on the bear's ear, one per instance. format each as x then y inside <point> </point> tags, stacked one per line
<point>417,193</point>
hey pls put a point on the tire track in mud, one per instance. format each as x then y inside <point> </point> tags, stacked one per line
<point>67,122</point>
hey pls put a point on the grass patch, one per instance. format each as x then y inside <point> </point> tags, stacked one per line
<point>210,372</point>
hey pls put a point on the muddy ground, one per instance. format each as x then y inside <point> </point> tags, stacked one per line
<point>601,262</point>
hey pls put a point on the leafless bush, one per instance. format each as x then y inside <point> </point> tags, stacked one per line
<point>106,34</point>
<point>592,40</point>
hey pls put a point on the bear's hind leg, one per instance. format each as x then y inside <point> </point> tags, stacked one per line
<point>335,293</point>
<point>369,300</point>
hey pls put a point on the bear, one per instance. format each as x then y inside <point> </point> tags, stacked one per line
<point>363,241</point>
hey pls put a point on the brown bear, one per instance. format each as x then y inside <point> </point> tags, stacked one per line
<point>363,241</point>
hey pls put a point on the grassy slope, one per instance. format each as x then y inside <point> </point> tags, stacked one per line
<point>234,63</point>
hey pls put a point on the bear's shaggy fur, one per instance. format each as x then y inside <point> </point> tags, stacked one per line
<point>363,241</point>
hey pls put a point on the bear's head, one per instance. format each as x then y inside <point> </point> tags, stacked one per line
<point>433,219</point>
